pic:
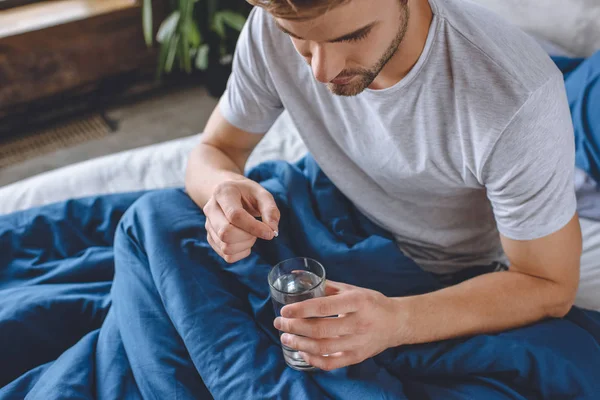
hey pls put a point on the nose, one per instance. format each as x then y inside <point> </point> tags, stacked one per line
<point>326,65</point>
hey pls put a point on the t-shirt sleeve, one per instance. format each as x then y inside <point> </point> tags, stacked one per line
<point>251,102</point>
<point>529,174</point>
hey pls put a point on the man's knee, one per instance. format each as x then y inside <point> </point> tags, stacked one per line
<point>157,211</point>
<point>161,201</point>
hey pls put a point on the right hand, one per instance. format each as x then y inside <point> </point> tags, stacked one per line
<point>231,224</point>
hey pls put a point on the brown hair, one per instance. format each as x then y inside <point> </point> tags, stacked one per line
<point>297,9</point>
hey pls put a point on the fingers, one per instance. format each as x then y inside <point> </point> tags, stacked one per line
<point>331,361</point>
<point>230,259</point>
<point>332,288</point>
<point>343,303</point>
<point>231,224</point>
<point>221,228</point>
<point>230,249</point>
<point>319,346</point>
<point>320,328</point>
<point>268,209</point>
<point>230,242</point>
<point>230,201</point>
<point>339,286</point>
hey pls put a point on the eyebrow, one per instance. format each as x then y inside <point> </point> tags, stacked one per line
<point>349,36</point>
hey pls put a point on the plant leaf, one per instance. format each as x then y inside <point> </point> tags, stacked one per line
<point>226,59</point>
<point>147,21</point>
<point>184,55</point>
<point>162,59</point>
<point>168,27</point>
<point>186,7</point>
<point>232,19</point>
<point>172,52</point>
<point>202,57</point>
<point>179,56</point>
<point>193,33</point>
<point>218,25</point>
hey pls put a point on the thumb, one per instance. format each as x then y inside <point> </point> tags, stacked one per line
<point>268,210</point>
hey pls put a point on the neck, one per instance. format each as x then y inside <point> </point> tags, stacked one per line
<point>410,49</point>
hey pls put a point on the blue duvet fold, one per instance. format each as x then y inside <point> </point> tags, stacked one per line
<point>120,297</point>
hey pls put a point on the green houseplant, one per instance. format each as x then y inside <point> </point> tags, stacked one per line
<point>197,35</point>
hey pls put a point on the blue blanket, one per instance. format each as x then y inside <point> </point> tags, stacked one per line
<point>582,81</point>
<point>181,323</point>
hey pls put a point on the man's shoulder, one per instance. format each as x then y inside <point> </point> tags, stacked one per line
<point>503,48</point>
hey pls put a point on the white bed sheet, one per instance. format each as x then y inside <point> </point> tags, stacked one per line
<point>588,295</point>
<point>153,167</point>
<point>571,24</point>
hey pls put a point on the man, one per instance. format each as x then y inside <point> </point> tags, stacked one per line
<point>442,124</point>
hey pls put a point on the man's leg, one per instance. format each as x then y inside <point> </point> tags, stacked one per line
<point>182,315</point>
<point>158,358</point>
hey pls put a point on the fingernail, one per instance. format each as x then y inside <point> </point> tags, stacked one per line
<point>285,338</point>
<point>277,323</point>
<point>276,233</point>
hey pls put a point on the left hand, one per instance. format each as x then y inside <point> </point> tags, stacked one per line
<point>367,323</point>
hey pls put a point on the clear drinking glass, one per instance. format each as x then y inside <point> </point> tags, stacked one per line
<point>292,281</point>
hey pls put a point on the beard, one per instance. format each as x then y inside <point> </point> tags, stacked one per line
<point>365,77</point>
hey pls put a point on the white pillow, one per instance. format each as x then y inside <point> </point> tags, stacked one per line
<point>572,24</point>
<point>552,48</point>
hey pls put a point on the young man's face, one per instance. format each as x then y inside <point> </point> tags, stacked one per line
<point>348,46</point>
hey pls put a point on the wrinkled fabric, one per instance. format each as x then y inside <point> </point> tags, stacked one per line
<point>178,322</point>
<point>582,80</point>
<point>588,196</point>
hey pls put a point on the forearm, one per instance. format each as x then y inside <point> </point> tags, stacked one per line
<point>207,167</point>
<point>487,304</point>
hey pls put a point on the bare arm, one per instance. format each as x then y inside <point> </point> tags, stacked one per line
<point>542,283</point>
<point>220,156</point>
<point>231,202</point>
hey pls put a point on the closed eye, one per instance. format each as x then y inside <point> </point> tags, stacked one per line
<point>354,38</point>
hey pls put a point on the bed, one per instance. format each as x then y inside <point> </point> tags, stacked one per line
<point>97,363</point>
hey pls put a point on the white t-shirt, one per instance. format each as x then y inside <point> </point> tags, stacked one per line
<point>476,139</point>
